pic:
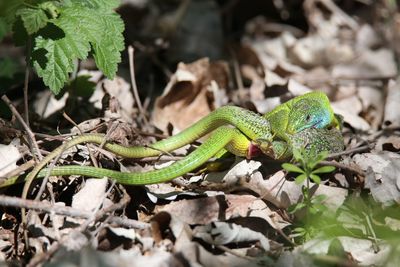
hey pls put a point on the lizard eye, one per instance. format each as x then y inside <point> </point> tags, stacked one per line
<point>308,118</point>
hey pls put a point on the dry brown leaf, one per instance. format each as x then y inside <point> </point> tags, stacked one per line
<point>382,175</point>
<point>207,210</point>
<point>186,98</point>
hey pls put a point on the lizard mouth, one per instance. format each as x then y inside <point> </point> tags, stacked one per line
<point>316,123</point>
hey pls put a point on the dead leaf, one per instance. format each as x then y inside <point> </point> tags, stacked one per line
<point>9,155</point>
<point>186,98</point>
<point>369,64</point>
<point>382,175</point>
<point>222,233</point>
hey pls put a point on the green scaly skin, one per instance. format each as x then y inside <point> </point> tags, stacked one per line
<point>310,110</point>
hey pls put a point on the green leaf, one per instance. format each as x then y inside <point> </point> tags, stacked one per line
<point>8,67</point>
<point>4,28</point>
<point>59,63</point>
<point>82,29</point>
<point>324,169</point>
<point>81,86</point>
<point>301,178</point>
<point>107,51</point>
<point>292,168</point>
<point>98,4</point>
<point>315,178</point>
<point>33,18</point>
<point>8,9</point>
<point>296,207</point>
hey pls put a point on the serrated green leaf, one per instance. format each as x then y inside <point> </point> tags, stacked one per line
<point>50,9</point>
<point>107,52</point>
<point>82,29</point>
<point>102,29</point>
<point>324,169</point>
<point>59,63</point>
<point>33,18</point>
<point>98,4</point>
<point>315,178</point>
<point>292,168</point>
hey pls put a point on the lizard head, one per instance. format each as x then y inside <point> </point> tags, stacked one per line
<point>310,113</point>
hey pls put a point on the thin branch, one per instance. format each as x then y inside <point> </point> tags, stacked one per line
<point>350,151</point>
<point>343,167</point>
<point>26,80</point>
<point>133,83</point>
<point>40,206</point>
<point>32,140</point>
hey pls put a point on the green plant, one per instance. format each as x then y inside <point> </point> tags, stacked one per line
<point>312,205</point>
<point>58,33</point>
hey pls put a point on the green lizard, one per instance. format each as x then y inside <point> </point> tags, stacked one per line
<point>276,133</point>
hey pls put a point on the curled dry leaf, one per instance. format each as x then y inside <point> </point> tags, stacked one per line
<point>349,108</point>
<point>186,98</point>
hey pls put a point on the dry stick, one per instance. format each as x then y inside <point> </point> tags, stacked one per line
<point>39,258</point>
<point>343,166</point>
<point>236,68</point>
<point>26,80</point>
<point>133,83</point>
<point>350,151</point>
<point>26,127</point>
<point>16,202</point>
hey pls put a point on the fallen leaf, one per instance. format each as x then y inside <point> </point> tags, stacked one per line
<point>222,233</point>
<point>382,175</point>
<point>9,155</point>
<point>186,98</point>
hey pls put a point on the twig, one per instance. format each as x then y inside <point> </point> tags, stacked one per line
<point>133,83</point>
<point>343,166</point>
<point>236,68</point>
<point>349,151</point>
<point>31,136</point>
<point>26,80</point>
<point>40,206</point>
